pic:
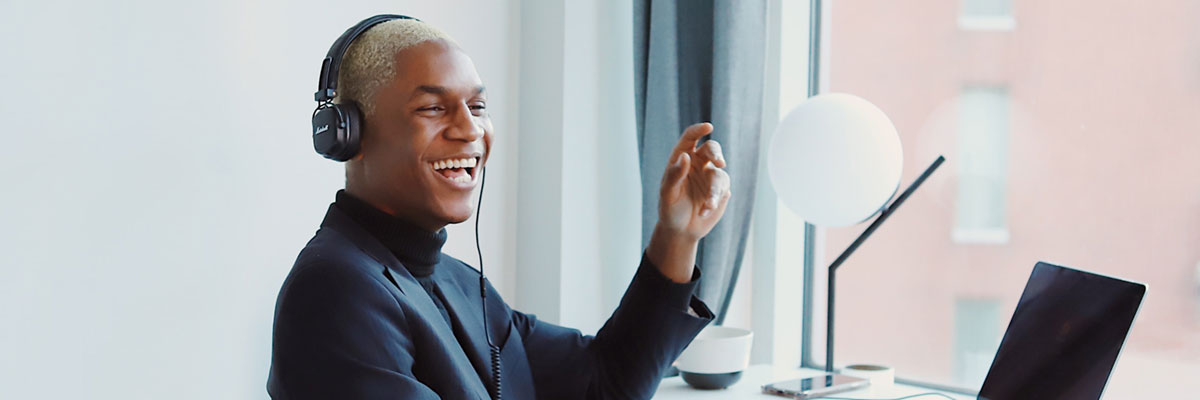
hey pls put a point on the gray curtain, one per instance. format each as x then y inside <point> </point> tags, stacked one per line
<point>695,61</point>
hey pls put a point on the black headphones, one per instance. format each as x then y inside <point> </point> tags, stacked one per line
<point>336,127</point>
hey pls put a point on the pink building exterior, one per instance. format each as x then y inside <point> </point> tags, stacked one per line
<point>1103,168</point>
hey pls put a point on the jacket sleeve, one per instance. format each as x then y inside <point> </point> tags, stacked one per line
<point>628,356</point>
<point>337,335</point>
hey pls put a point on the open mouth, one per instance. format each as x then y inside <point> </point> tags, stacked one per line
<point>457,170</point>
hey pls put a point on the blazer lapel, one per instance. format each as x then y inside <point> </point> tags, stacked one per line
<point>463,303</point>
<point>408,286</point>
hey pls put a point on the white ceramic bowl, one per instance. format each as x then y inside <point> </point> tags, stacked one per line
<point>716,358</point>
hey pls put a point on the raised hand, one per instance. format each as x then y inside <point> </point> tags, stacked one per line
<point>692,199</point>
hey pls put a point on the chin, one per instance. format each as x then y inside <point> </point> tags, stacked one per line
<point>457,215</point>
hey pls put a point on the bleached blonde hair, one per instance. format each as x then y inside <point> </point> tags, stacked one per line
<point>370,62</point>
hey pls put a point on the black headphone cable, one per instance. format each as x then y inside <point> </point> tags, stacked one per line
<point>493,349</point>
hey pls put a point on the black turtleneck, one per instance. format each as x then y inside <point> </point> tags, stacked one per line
<point>418,249</point>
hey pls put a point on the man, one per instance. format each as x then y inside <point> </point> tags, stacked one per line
<point>373,309</point>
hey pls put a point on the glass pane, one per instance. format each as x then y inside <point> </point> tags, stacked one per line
<point>986,8</point>
<point>982,148</point>
<point>1073,138</point>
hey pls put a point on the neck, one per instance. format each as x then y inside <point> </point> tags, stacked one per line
<point>379,201</point>
<point>418,249</point>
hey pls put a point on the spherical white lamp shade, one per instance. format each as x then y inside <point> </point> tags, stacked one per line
<point>835,160</point>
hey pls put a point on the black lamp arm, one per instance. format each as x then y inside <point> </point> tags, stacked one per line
<point>883,215</point>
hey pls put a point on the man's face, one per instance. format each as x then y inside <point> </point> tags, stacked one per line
<point>428,138</point>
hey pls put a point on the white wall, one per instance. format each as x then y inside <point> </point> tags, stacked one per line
<point>580,210</point>
<point>159,180</point>
<point>608,128</point>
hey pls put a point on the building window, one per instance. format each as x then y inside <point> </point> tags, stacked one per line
<point>982,133</point>
<point>977,327</point>
<point>986,15</point>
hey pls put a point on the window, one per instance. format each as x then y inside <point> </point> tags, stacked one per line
<point>977,327</point>
<point>1067,141</point>
<point>987,15</point>
<point>982,165</point>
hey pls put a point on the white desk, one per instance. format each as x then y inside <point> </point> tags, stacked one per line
<point>750,387</point>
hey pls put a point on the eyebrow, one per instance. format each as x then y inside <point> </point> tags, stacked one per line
<point>442,90</point>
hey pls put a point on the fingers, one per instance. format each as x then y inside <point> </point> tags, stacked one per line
<point>720,210</point>
<point>695,171</point>
<point>691,136</point>
<point>718,192</point>
<point>710,151</point>
<point>675,177</point>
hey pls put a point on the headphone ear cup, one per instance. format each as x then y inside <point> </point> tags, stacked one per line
<point>351,133</point>
<point>336,131</point>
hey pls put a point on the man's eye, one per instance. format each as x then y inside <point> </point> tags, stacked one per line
<point>431,108</point>
<point>478,110</point>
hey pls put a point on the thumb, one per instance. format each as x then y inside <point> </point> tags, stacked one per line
<point>675,177</point>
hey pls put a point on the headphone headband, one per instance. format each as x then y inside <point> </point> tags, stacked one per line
<point>336,127</point>
<point>327,84</point>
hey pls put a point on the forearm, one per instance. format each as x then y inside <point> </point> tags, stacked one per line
<point>647,332</point>
<point>673,254</point>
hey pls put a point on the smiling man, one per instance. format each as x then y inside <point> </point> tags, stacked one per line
<point>373,309</point>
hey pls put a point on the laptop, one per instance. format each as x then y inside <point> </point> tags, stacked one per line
<point>1064,337</point>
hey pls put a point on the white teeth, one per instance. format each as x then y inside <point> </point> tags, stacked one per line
<point>459,163</point>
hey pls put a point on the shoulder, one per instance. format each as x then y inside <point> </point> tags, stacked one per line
<point>327,246</point>
<point>332,269</point>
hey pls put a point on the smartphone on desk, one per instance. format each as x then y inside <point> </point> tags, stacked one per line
<point>817,386</point>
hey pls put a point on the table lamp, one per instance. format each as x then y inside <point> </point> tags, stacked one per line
<point>835,160</point>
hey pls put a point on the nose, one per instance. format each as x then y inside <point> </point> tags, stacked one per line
<point>464,125</point>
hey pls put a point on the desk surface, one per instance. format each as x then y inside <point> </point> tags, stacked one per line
<point>750,387</point>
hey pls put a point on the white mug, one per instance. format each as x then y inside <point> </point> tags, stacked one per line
<point>716,357</point>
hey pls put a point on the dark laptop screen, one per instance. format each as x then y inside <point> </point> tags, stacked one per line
<point>1064,336</point>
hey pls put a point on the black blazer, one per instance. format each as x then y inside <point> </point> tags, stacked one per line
<point>352,323</point>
